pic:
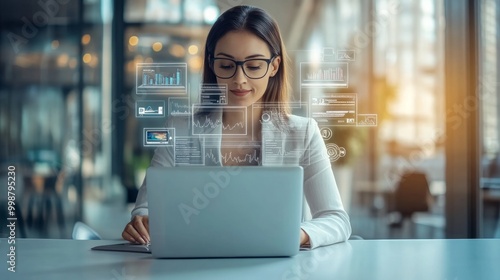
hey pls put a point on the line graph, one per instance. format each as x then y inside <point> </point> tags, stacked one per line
<point>209,123</point>
<point>179,106</point>
<point>179,109</point>
<point>252,158</point>
<point>213,124</point>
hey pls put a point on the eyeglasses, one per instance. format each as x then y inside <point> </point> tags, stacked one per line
<point>255,68</point>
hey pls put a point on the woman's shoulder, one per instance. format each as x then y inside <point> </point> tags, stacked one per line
<point>295,121</point>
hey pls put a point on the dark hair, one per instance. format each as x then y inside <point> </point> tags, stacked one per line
<point>261,24</point>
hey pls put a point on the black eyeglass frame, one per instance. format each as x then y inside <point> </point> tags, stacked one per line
<point>240,63</point>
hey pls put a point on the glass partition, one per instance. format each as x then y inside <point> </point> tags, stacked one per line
<point>51,68</point>
<point>397,76</point>
<point>488,91</point>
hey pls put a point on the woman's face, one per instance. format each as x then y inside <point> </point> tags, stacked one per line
<point>240,46</point>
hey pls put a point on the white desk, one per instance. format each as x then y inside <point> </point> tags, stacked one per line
<point>357,259</point>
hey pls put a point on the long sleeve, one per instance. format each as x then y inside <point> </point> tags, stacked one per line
<point>330,222</point>
<point>163,156</point>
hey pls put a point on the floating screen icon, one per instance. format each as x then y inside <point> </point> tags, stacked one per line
<point>367,119</point>
<point>213,94</point>
<point>346,55</point>
<point>150,108</point>
<point>158,136</point>
<point>330,109</point>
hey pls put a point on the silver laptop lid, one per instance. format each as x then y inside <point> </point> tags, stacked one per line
<point>224,211</point>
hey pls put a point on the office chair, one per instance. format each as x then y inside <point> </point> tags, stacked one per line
<point>82,231</point>
<point>411,195</point>
<point>45,181</point>
<point>356,237</point>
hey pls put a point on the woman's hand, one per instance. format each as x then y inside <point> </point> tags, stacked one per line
<point>137,230</point>
<point>304,238</point>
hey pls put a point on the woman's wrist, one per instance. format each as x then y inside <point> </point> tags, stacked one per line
<point>304,237</point>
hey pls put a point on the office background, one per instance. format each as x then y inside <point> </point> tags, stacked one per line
<point>428,69</point>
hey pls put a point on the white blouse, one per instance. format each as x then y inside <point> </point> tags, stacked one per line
<point>324,218</point>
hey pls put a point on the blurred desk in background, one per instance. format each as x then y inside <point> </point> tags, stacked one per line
<point>490,183</point>
<point>378,194</point>
<point>490,188</point>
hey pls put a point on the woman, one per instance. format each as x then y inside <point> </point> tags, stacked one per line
<point>244,51</point>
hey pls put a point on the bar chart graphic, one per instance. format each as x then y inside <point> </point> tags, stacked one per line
<point>161,78</point>
<point>324,75</point>
<point>330,74</point>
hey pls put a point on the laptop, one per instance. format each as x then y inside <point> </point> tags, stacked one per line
<point>205,212</point>
<point>197,212</point>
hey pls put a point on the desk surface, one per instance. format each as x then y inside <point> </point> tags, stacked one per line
<point>492,183</point>
<point>356,259</point>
